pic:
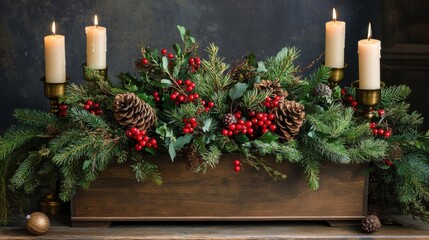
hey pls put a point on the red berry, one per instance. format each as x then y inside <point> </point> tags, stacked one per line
<point>198,60</point>
<point>86,107</point>
<point>187,81</point>
<point>189,88</point>
<point>381,112</point>
<point>268,123</point>
<point>138,147</point>
<point>128,133</point>
<point>254,121</point>
<point>207,109</point>
<point>145,61</point>
<point>146,138</point>
<point>387,134</point>
<point>139,137</point>
<point>149,145</point>
<point>354,103</point>
<point>230,133</point>
<point>381,131</point>
<point>185,130</point>
<point>98,112</point>
<point>193,120</point>
<point>181,98</point>
<point>250,131</point>
<point>252,113</point>
<point>89,102</point>
<point>244,130</point>
<point>196,95</point>
<point>142,133</point>
<point>271,116</point>
<point>142,143</point>
<point>350,98</point>
<point>343,91</point>
<point>237,115</point>
<point>375,131</point>
<point>236,162</point>
<point>388,162</point>
<point>261,123</point>
<point>210,104</point>
<point>372,125</point>
<point>170,56</point>
<point>248,124</point>
<point>231,126</point>
<point>188,125</point>
<point>224,132</point>
<point>264,130</point>
<point>275,103</point>
<point>259,116</point>
<point>179,82</point>
<point>191,61</point>
<point>237,168</point>
<point>153,141</point>
<point>273,127</point>
<point>63,107</point>
<point>163,51</point>
<point>238,126</point>
<point>173,96</point>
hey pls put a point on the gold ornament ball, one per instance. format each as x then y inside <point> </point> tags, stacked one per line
<point>37,223</point>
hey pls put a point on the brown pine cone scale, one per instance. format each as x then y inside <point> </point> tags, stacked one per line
<point>130,111</point>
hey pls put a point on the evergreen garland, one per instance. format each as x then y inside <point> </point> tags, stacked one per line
<point>79,146</point>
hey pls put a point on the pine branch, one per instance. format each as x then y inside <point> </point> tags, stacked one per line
<point>333,151</point>
<point>307,86</point>
<point>144,170</point>
<point>368,150</point>
<point>26,171</point>
<point>88,120</point>
<point>282,151</point>
<point>311,167</point>
<point>282,66</point>
<point>36,118</point>
<point>76,150</point>
<point>15,137</point>
<point>212,156</point>
<point>253,98</point>
<point>391,95</point>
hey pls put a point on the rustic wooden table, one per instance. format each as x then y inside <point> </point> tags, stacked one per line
<point>410,229</point>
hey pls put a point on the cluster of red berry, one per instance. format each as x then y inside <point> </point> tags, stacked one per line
<point>207,105</point>
<point>190,125</point>
<point>187,86</point>
<point>380,131</point>
<point>194,63</point>
<point>156,96</point>
<point>143,141</point>
<point>92,107</point>
<point>259,123</point>
<point>272,102</point>
<point>349,98</point>
<point>237,165</point>
<point>62,110</point>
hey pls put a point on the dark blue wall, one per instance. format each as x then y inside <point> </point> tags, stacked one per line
<point>238,27</point>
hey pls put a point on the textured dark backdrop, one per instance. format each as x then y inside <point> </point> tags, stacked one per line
<point>261,26</point>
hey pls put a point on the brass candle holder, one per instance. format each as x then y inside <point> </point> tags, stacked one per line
<point>50,203</point>
<point>368,98</point>
<point>53,91</point>
<point>337,76</point>
<point>102,73</point>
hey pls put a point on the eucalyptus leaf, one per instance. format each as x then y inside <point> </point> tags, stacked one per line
<point>254,81</point>
<point>177,69</point>
<point>165,63</point>
<point>177,48</point>
<point>165,83</point>
<point>183,140</point>
<point>172,151</point>
<point>282,54</point>
<point>261,67</point>
<point>207,125</point>
<point>182,31</point>
<point>237,91</point>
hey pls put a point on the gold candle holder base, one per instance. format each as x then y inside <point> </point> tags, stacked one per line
<point>337,76</point>
<point>102,73</point>
<point>368,98</point>
<point>53,91</point>
<point>51,204</point>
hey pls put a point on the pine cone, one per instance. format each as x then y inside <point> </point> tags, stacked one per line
<point>131,111</point>
<point>396,153</point>
<point>243,72</point>
<point>193,159</point>
<point>229,118</point>
<point>273,86</point>
<point>289,118</point>
<point>370,224</point>
<point>323,90</point>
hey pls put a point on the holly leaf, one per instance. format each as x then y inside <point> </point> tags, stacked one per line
<point>183,140</point>
<point>207,125</point>
<point>261,67</point>
<point>268,137</point>
<point>171,151</point>
<point>86,164</point>
<point>182,31</point>
<point>150,150</point>
<point>251,59</point>
<point>241,138</point>
<point>147,98</point>
<point>237,91</point>
<point>165,64</point>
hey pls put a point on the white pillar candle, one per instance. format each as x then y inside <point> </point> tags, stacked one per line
<point>55,57</point>
<point>335,42</point>
<point>96,46</point>
<point>369,62</point>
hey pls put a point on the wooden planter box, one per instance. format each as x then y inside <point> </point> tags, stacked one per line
<point>221,194</point>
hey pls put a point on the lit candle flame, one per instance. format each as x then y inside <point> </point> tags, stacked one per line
<point>334,15</point>
<point>369,31</point>
<point>96,21</point>
<point>53,27</point>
